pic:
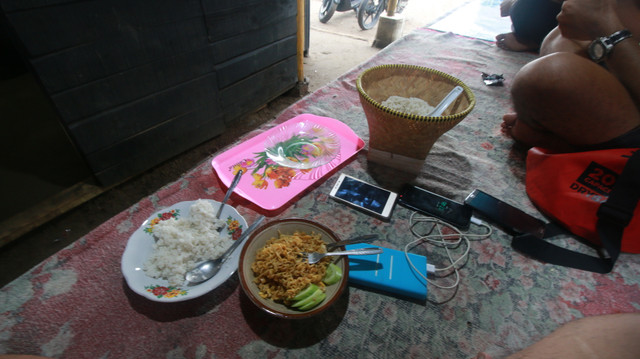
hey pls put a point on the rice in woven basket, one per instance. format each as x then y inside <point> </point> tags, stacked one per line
<point>404,135</point>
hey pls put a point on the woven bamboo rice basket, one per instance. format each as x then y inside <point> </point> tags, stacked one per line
<point>403,140</point>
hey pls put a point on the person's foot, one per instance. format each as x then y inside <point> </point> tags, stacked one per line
<point>508,121</point>
<point>517,130</point>
<point>508,41</point>
<point>526,136</point>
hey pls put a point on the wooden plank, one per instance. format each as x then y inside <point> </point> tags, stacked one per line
<point>243,66</point>
<point>168,138</point>
<point>113,126</point>
<point>92,61</point>
<point>136,83</point>
<point>225,23</point>
<point>95,61</point>
<point>20,5</point>
<point>229,48</point>
<point>160,143</point>
<point>258,89</point>
<point>49,29</point>
<point>211,6</point>
<point>168,6</point>
<point>127,86</point>
<point>157,145</point>
<point>23,222</point>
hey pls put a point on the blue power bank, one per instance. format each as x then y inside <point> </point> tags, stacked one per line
<point>389,272</point>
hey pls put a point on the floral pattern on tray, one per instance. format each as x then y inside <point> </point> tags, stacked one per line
<point>302,145</point>
<point>265,172</point>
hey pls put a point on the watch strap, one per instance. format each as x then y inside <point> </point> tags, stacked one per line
<point>618,36</point>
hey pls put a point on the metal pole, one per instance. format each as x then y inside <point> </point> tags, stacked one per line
<point>391,10</point>
<point>300,50</point>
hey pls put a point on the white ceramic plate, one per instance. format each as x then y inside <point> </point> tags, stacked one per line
<point>140,246</point>
<point>302,145</point>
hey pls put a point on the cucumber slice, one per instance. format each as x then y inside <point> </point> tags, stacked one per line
<point>310,299</point>
<point>333,274</point>
<point>331,271</point>
<point>313,303</point>
<point>310,289</point>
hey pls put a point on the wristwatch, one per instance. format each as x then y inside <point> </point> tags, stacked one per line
<point>601,48</point>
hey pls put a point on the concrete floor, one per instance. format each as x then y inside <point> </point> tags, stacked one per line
<point>335,48</point>
<point>340,44</point>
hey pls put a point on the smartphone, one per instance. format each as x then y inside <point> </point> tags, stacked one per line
<point>431,204</point>
<point>507,217</point>
<point>369,198</point>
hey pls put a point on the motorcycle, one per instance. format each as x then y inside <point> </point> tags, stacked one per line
<point>367,11</point>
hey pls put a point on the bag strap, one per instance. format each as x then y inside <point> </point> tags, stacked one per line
<point>613,216</point>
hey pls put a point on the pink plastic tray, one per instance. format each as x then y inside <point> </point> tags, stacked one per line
<point>272,186</point>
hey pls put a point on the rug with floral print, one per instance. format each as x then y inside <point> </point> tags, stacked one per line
<point>77,304</point>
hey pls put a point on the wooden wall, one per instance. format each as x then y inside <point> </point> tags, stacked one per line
<point>137,82</point>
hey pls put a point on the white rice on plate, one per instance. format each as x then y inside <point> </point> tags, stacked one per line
<point>181,243</point>
<point>411,105</point>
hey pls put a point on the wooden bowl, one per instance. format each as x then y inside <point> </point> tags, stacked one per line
<point>258,240</point>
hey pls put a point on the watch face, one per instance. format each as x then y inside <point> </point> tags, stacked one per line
<point>597,51</point>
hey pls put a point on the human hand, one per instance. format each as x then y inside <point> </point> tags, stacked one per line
<point>588,19</point>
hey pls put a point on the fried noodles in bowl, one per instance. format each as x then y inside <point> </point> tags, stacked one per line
<point>275,261</point>
<point>281,271</point>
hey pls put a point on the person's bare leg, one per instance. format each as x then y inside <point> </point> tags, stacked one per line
<point>554,42</point>
<point>505,7</point>
<point>607,336</point>
<point>564,101</point>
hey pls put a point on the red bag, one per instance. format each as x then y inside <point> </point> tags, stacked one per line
<point>593,195</point>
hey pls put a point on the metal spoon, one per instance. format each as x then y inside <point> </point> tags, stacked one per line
<point>207,269</point>
<point>315,257</point>
<point>359,239</point>
<point>233,185</point>
<point>446,101</point>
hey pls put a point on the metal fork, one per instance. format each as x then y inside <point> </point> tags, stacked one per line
<point>233,185</point>
<point>359,239</point>
<point>315,257</point>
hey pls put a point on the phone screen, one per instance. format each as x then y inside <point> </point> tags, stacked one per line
<point>364,195</point>
<point>506,216</point>
<point>435,205</point>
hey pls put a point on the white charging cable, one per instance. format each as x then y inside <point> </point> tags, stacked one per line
<point>448,241</point>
